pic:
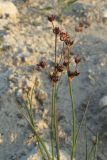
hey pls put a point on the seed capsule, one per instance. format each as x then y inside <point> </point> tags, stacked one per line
<point>69,43</point>
<point>64,36</point>
<point>51,18</point>
<point>54,77</point>
<point>59,68</point>
<point>56,30</point>
<point>71,75</point>
<point>77,59</point>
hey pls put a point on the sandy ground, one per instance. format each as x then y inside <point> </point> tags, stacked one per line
<point>31,37</point>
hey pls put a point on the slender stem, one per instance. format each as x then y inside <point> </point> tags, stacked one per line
<point>40,140</point>
<point>55,48</point>
<point>31,123</point>
<point>73,121</point>
<point>53,25</point>
<point>41,151</point>
<point>55,110</point>
<point>56,124</point>
<point>86,141</point>
<point>81,123</point>
<point>94,157</point>
<point>32,95</point>
<point>62,53</point>
<point>52,124</point>
<point>91,151</point>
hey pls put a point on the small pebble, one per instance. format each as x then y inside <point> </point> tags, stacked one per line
<point>41,95</point>
<point>103,101</point>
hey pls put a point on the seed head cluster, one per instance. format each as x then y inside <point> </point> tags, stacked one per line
<point>64,64</point>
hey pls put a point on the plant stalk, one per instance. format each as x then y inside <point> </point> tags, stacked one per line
<point>56,124</point>
<point>73,121</point>
<point>52,124</point>
<point>30,120</point>
<point>54,108</point>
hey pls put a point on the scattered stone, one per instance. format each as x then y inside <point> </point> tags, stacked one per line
<point>19,96</point>
<point>103,61</point>
<point>13,79</point>
<point>21,123</point>
<point>41,95</point>
<point>26,84</point>
<point>8,10</point>
<point>92,80</point>
<point>19,115</point>
<point>19,93</point>
<point>62,134</point>
<point>103,101</point>
<point>1,138</point>
<point>104,13</point>
<point>45,113</point>
<point>41,124</point>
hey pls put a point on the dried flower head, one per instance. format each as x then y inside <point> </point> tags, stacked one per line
<point>56,30</point>
<point>42,64</point>
<point>64,36</point>
<point>51,18</point>
<point>54,77</point>
<point>71,75</point>
<point>66,62</point>
<point>69,43</point>
<point>59,67</point>
<point>77,59</point>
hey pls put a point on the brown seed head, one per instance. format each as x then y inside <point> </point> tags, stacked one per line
<point>59,67</point>
<point>51,18</point>
<point>64,36</point>
<point>56,30</point>
<point>66,63</point>
<point>42,64</point>
<point>77,59</point>
<point>69,43</point>
<point>54,77</point>
<point>71,75</point>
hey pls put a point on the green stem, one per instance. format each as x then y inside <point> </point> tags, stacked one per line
<point>62,53</point>
<point>32,95</point>
<point>55,48</point>
<point>56,124</point>
<point>52,124</point>
<point>41,141</point>
<point>91,151</point>
<point>73,121</point>
<point>86,141</point>
<point>94,157</point>
<point>38,138</point>
<point>41,151</point>
<point>31,123</point>
<point>81,123</point>
<point>54,107</point>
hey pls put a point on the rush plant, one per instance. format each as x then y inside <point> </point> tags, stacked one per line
<point>67,64</point>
